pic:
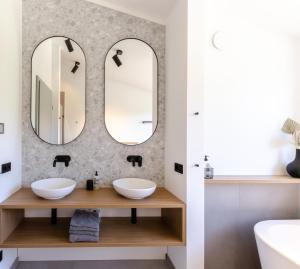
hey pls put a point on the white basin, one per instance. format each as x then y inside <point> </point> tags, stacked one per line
<point>53,188</point>
<point>134,188</point>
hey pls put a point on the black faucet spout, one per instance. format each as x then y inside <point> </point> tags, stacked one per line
<point>62,159</point>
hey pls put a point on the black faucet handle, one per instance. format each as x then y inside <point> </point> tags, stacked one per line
<point>135,159</point>
<point>140,160</point>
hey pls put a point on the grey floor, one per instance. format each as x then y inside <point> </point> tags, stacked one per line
<point>149,264</point>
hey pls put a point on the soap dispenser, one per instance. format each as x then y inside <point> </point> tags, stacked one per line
<point>96,181</point>
<point>208,170</point>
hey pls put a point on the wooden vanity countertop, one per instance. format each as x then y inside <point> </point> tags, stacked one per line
<point>81,198</point>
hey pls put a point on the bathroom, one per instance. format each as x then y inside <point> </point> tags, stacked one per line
<point>218,78</point>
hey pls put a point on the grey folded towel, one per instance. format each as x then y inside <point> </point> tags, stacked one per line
<point>83,238</point>
<point>85,219</point>
<point>87,229</point>
<point>84,226</point>
<point>84,233</point>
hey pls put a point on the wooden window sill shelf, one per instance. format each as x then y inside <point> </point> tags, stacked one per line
<point>252,180</point>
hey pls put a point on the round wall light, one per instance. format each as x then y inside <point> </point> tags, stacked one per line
<point>218,40</point>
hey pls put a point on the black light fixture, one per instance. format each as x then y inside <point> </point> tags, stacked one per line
<point>75,68</point>
<point>117,59</point>
<point>69,45</point>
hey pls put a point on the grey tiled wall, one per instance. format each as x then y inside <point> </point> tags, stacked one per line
<point>96,29</point>
<point>232,210</point>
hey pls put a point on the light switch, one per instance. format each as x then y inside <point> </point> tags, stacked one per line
<point>5,168</point>
<point>1,128</point>
<point>178,168</point>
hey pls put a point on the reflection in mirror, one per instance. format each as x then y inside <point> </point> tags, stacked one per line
<point>131,70</point>
<point>58,90</point>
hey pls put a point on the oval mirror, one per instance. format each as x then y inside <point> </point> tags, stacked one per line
<point>131,91</point>
<point>58,90</point>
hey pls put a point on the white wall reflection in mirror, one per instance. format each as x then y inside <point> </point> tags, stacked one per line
<point>131,73</point>
<point>58,90</point>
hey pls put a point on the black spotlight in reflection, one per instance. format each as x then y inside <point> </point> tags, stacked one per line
<point>69,45</point>
<point>75,68</point>
<point>117,59</point>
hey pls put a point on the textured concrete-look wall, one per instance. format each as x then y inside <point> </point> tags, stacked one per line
<point>96,29</point>
<point>232,210</point>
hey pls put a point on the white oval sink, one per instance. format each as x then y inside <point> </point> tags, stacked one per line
<point>134,188</point>
<point>53,188</point>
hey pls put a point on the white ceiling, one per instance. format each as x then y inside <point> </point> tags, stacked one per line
<point>153,10</point>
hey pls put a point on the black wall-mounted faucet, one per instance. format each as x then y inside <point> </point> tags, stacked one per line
<point>62,159</point>
<point>135,159</point>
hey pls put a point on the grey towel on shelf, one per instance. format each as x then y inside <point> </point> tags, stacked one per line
<point>84,226</point>
<point>83,238</point>
<point>85,219</point>
<point>87,229</point>
<point>84,233</point>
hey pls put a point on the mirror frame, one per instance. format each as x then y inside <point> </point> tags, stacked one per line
<point>157,87</point>
<point>85,95</point>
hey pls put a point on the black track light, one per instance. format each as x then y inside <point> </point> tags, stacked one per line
<point>117,59</point>
<point>75,68</point>
<point>69,45</point>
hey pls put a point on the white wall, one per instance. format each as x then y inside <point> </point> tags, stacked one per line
<point>251,87</point>
<point>176,95</point>
<point>195,103</point>
<point>176,91</point>
<point>183,129</point>
<point>10,104</point>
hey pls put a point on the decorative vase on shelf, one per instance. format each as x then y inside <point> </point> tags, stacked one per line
<point>293,168</point>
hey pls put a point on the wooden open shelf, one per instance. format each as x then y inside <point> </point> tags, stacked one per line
<point>19,232</point>
<point>38,232</point>
<point>252,180</point>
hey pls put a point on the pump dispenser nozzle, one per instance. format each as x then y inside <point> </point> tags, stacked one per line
<point>208,170</point>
